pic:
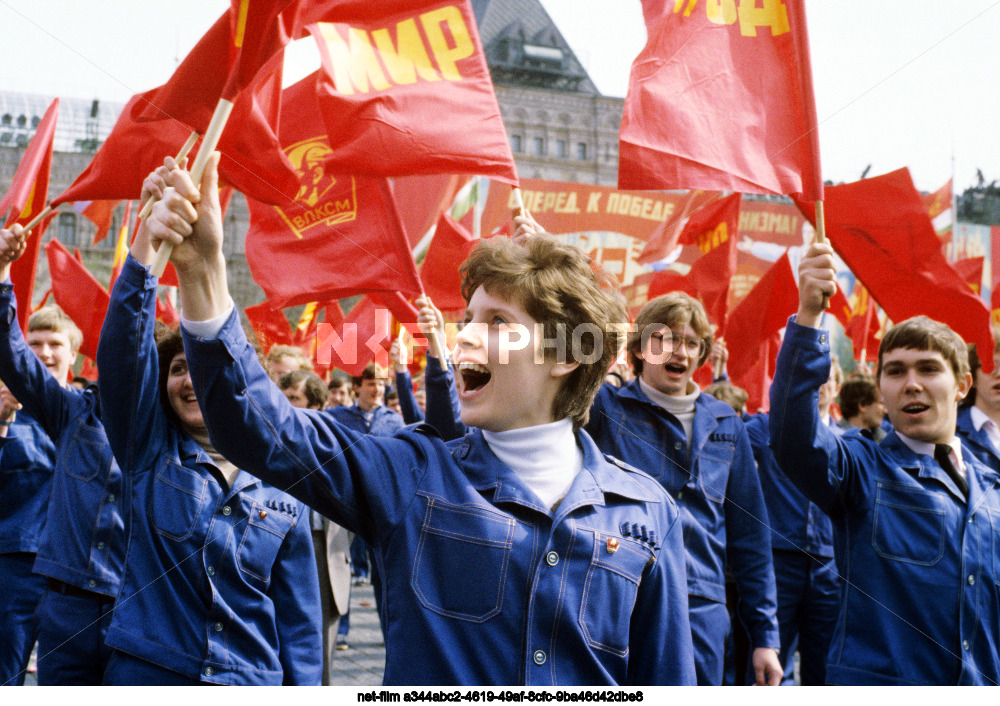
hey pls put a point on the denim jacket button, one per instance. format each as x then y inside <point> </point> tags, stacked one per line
<point>539,657</point>
<point>209,671</point>
<point>218,627</point>
<point>965,645</point>
<point>972,580</point>
<point>226,510</point>
<point>210,571</point>
<point>552,558</point>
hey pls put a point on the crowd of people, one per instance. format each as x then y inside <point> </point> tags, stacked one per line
<point>536,513</point>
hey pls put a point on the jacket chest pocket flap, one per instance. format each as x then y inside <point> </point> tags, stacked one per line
<point>908,524</point>
<point>714,463</point>
<point>461,560</point>
<point>179,495</point>
<point>610,591</point>
<point>265,531</point>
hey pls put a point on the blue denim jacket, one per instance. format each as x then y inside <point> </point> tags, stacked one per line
<point>921,564</point>
<point>384,423</point>
<point>716,485</point>
<point>977,441</point>
<point>83,542</point>
<point>797,525</point>
<point>481,584</point>
<point>27,456</point>
<point>220,582</point>
<point>444,412</point>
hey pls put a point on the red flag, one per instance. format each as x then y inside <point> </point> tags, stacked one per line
<point>841,308</point>
<point>364,334</point>
<point>24,268</point>
<point>449,248</point>
<point>100,213</point>
<point>78,294</point>
<point>863,327</point>
<point>29,189</point>
<point>432,110</point>
<point>881,230</point>
<point>971,270</point>
<point>166,312</point>
<point>403,312</point>
<point>222,63</point>
<point>722,98</point>
<point>938,207</point>
<point>755,321</point>
<point>252,160</point>
<point>713,229</point>
<point>421,198</point>
<point>270,325</point>
<point>341,237</point>
<point>666,238</point>
<point>121,246</point>
<point>88,369</point>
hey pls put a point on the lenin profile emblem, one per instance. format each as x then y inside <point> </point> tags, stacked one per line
<point>323,199</point>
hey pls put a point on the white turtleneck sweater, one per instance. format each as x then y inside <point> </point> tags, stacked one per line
<point>545,457</point>
<point>681,406</point>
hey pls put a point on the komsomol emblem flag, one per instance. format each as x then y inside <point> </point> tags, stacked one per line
<point>405,90</point>
<point>340,236</point>
<point>721,98</point>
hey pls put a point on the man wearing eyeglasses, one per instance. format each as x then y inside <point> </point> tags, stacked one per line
<point>698,449</point>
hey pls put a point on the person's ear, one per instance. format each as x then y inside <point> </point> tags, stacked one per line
<point>561,369</point>
<point>964,385</point>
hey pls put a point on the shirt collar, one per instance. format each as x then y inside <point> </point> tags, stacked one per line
<point>978,418</point>
<point>925,448</point>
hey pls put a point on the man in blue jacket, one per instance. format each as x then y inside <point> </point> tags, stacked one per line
<point>698,449</point>
<point>979,413</point>
<point>915,517</point>
<point>515,555</point>
<point>82,547</point>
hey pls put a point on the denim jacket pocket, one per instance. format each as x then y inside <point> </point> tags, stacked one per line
<point>908,524</point>
<point>261,541</point>
<point>178,497</point>
<point>714,463</point>
<point>610,591</point>
<point>89,455</point>
<point>461,560</point>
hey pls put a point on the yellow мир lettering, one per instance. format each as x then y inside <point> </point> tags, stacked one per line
<point>771,13</point>
<point>355,66</point>
<point>447,56</point>
<point>721,12</point>
<point>409,57</point>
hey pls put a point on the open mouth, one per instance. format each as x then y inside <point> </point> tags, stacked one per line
<point>473,376</point>
<point>915,408</point>
<point>675,368</point>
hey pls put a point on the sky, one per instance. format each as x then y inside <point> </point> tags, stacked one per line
<point>897,83</point>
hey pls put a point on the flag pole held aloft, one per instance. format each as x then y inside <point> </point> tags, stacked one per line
<point>147,207</point>
<point>37,219</point>
<point>208,145</point>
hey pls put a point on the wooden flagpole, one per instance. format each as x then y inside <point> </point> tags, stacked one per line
<point>208,145</point>
<point>38,219</point>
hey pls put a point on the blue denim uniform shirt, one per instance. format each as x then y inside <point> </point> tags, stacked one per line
<point>385,422</point>
<point>920,562</point>
<point>797,525</point>
<point>716,486</point>
<point>444,412</point>
<point>220,582</point>
<point>977,441</point>
<point>481,584</point>
<point>83,543</point>
<point>27,457</point>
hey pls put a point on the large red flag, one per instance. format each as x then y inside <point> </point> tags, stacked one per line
<point>223,63</point>
<point>421,198</point>
<point>341,237</point>
<point>449,248</point>
<point>754,323</point>
<point>863,327</point>
<point>971,270</point>
<point>430,110</point>
<point>78,294</point>
<point>252,160</point>
<point>29,189</point>
<point>880,228</point>
<point>713,228</point>
<point>721,98</point>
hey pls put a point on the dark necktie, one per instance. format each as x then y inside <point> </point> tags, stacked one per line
<point>942,454</point>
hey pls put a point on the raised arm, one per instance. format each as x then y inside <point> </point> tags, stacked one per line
<point>805,449</point>
<point>444,412</point>
<point>404,384</point>
<point>44,398</point>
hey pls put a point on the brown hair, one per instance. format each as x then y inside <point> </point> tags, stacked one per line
<point>281,351</point>
<point>314,389</point>
<point>557,287</point>
<point>975,365</point>
<point>52,318</point>
<point>168,344</point>
<point>923,334</point>
<point>724,391</point>
<point>372,371</point>
<point>857,392</point>
<point>673,310</point>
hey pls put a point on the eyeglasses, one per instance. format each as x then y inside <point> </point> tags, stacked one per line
<point>671,341</point>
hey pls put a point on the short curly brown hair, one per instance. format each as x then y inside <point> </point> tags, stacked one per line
<point>559,287</point>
